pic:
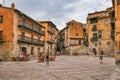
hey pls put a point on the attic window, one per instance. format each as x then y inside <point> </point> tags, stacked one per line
<point>93,20</point>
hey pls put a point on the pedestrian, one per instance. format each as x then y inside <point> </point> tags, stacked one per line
<point>47,59</point>
<point>87,52</point>
<point>94,51</point>
<point>101,57</point>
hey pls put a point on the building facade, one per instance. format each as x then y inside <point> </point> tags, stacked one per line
<point>99,32</point>
<point>72,37</point>
<point>51,33</point>
<point>115,20</point>
<point>19,32</point>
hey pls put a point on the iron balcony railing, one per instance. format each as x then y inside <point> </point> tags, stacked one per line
<point>30,27</point>
<point>30,40</point>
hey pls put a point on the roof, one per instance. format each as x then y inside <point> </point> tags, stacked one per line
<point>21,13</point>
<point>50,22</point>
<point>73,21</point>
<point>98,12</point>
<point>68,23</point>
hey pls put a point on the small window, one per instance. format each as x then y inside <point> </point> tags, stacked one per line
<point>1,19</point>
<point>106,22</point>
<point>118,2</point>
<point>99,34</point>
<point>76,34</point>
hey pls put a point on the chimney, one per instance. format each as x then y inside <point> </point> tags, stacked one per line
<point>13,6</point>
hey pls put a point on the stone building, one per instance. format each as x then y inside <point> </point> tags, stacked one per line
<point>99,32</point>
<point>19,32</point>
<point>51,33</point>
<point>72,37</point>
<point>115,23</point>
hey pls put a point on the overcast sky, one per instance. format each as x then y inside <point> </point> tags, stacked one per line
<point>59,11</point>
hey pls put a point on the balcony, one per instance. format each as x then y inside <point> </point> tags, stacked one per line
<point>51,31</point>
<point>93,39</point>
<point>29,27</point>
<point>50,40</point>
<point>30,40</point>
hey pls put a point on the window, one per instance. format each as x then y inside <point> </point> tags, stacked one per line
<point>76,34</point>
<point>95,35</point>
<point>79,42</point>
<point>118,2</point>
<point>1,19</point>
<point>93,20</point>
<point>94,28</point>
<point>106,22</point>
<point>1,35</point>
<point>99,34</point>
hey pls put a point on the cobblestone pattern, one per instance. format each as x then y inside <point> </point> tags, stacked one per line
<point>64,68</point>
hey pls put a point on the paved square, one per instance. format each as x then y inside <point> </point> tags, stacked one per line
<point>64,68</point>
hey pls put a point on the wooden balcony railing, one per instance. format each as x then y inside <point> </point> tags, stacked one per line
<point>51,31</point>
<point>29,27</point>
<point>50,40</point>
<point>30,40</point>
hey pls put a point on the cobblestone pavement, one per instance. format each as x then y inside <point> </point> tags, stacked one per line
<point>64,68</point>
